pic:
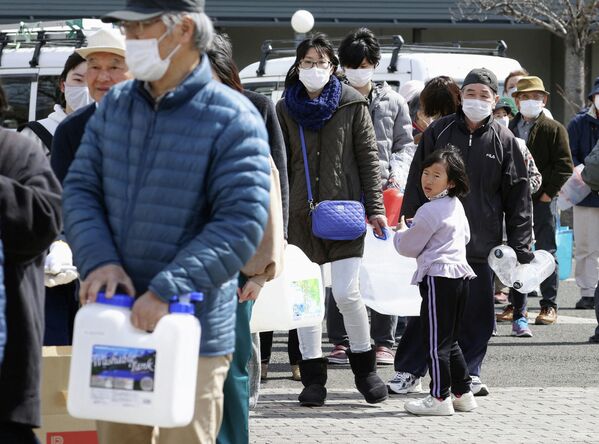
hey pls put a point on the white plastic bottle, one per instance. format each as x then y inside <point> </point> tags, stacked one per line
<point>528,277</point>
<point>294,299</point>
<point>502,260</point>
<point>122,374</point>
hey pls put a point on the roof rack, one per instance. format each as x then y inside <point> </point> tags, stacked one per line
<point>457,47</point>
<point>267,49</point>
<point>394,44</point>
<point>26,37</point>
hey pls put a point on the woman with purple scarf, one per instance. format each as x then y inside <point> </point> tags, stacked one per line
<point>342,159</point>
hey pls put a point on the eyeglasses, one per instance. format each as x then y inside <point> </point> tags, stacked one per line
<point>308,64</point>
<point>137,27</point>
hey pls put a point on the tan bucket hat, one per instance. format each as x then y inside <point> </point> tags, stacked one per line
<point>104,40</point>
<point>529,84</point>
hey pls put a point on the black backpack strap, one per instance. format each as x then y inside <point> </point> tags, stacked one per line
<point>40,131</point>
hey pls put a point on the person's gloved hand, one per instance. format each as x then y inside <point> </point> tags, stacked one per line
<point>58,268</point>
<point>525,256</point>
<point>64,277</point>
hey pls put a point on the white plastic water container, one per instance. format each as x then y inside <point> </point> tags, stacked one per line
<point>386,276</point>
<point>574,190</point>
<point>122,374</point>
<point>502,260</point>
<point>292,300</point>
<point>527,277</point>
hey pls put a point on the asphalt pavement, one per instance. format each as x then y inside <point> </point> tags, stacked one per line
<point>542,389</point>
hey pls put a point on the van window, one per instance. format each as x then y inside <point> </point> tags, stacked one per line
<point>17,90</point>
<point>394,84</point>
<point>265,88</point>
<point>48,94</point>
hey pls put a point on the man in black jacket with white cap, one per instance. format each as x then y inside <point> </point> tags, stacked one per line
<point>499,188</point>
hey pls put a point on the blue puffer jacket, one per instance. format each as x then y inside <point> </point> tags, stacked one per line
<point>2,308</point>
<point>583,131</point>
<point>176,192</point>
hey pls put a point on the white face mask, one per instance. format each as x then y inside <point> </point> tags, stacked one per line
<point>476,110</point>
<point>596,101</point>
<point>531,108</point>
<point>503,121</point>
<point>77,96</point>
<point>359,77</point>
<point>511,91</point>
<point>442,194</point>
<point>143,58</point>
<point>314,79</point>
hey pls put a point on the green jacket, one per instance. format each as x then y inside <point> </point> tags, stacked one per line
<point>549,146</point>
<point>344,165</point>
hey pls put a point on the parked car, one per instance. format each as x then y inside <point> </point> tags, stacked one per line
<point>31,60</point>
<point>399,63</point>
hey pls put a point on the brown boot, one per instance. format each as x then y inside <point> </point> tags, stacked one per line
<point>507,315</point>
<point>296,373</point>
<point>547,316</point>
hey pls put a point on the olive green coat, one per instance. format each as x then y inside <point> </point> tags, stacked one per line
<point>344,165</point>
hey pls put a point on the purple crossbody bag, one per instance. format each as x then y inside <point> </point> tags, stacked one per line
<point>333,219</point>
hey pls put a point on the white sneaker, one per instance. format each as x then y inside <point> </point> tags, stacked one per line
<point>430,406</point>
<point>404,382</point>
<point>465,403</point>
<point>477,387</point>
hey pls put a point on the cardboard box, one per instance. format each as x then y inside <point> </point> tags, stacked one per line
<point>58,427</point>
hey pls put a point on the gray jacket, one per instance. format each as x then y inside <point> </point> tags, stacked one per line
<point>393,129</point>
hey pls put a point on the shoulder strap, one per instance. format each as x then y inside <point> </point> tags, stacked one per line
<point>305,154</point>
<point>40,131</point>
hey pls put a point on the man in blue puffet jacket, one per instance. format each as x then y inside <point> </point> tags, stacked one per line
<point>169,194</point>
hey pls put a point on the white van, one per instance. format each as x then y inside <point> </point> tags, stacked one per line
<point>31,60</point>
<point>399,63</point>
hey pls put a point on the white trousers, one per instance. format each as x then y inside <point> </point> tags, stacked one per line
<point>586,235</point>
<point>346,291</point>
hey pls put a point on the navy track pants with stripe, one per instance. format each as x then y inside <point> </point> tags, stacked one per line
<point>443,303</point>
<point>477,327</point>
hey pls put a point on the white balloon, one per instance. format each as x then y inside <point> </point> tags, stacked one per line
<point>302,21</point>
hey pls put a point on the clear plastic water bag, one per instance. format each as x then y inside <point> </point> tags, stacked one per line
<point>502,260</point>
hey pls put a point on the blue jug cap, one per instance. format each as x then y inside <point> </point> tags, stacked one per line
<point>196,296</point>
<point>118,300</point>
<point>186,303</point>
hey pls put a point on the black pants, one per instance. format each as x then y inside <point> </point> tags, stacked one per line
<point>293,350</point>
<point>475,331</point>
<point>13,433</point>
<point>544,217</point>
<point>519,301</point>
<point>382,326</point>
<point>443,303</point>
<point>61,305</point>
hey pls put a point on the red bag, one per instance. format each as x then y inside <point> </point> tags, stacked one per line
<point>392,198</point>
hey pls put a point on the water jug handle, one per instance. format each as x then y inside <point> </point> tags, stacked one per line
<point>383,237</point>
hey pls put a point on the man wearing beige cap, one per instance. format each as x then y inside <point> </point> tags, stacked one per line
<point>547,141</point>
<point>106,66</point>
<point>169,194</point>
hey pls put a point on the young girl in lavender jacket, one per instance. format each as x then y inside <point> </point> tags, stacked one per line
<point>437,238</point>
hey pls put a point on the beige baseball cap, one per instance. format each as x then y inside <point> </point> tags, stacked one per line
<point>104,40</point>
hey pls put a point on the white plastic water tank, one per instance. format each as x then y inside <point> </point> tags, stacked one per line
<point>527,277</point>
<point>502,260</point>
<point>122,374</point>
<point>292,300</point>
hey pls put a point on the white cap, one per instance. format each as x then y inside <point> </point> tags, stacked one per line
<point>411,89</point>
<point>104,40</point>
